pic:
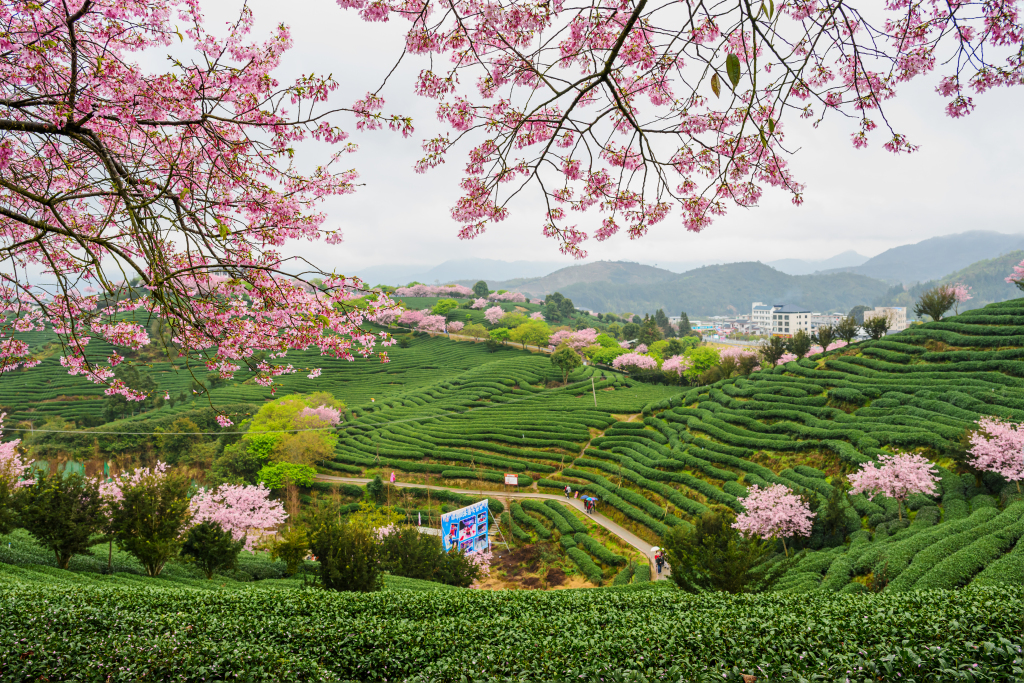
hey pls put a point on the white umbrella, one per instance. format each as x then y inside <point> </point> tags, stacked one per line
<point>655,549</point>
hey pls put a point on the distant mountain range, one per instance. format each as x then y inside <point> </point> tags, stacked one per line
<point>794,266</point>
<point>896,276</point>
<point>935,258</point>
<point>711,290</point>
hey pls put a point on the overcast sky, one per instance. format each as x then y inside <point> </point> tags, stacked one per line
<point>967,175</point>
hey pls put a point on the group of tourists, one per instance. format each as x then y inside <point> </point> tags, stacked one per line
<point>588,503</point>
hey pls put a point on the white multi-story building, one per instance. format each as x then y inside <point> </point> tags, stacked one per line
<point>818,319</point>
<point>761,315</point>
<point>787,320</point>
<point>897,316</point>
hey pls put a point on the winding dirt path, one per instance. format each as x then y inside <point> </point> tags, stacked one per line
<point>626,535</point>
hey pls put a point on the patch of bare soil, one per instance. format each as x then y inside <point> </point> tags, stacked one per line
<point>555,577</point>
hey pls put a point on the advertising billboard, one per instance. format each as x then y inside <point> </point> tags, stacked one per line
<point>466,529</point>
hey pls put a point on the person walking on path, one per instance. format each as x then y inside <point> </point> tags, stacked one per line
<point>568,491</point>
<point>659,559</point>
<point>577,495</point>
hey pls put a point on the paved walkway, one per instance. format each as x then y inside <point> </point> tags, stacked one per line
<point>618,530</point>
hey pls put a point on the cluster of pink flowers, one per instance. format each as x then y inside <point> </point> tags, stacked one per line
<point>537,301</point>
<point>432,323</point>
<point>456,326</point>
<point>479,303</point>
<point>737,352</point>
<point>1018,276</point>
<point>774,512</point>
<point>787,358</point>
<point>12,466</point>
<point>245,511</point>
<point>677,364</point>
<point>443,291</point>
<point>634,361</point>
<point>323,413</point>
<point>537,315</point>
<point>513,297</point>
<point>576,340</point>
<point>999,448</point>
<point>896,477</point>
<point>623,344</point>
<point>493,314</point>
<point>641,348</point>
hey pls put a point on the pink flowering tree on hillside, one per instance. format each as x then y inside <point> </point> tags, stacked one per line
<point>537,315</point>
<point>896,476</point>
<point>774,512</point>
<point>677,365</point>
<point>246,511</point>
<point>630,362</point>
<point>13,475</point>
<point>456,326</point>
<point>577,340</point>
<point>999,448</point>
<point>640,112</point>
<point>143,193</point>
<point>479,303</point>
<point>493,314</point>
<point>432,323</point>
<point>322,414</point>
<point>961,293</point>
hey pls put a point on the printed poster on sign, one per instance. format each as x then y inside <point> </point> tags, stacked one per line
<point>466,529</point>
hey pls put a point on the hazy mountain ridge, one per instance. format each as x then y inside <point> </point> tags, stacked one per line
<point>987,280</point>
<point>934,258</point>
<point>794,266</point>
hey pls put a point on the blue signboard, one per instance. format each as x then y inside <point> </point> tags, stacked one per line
<point>466,529</point>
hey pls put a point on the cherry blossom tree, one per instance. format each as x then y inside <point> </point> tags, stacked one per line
<point>513,297</point>
<point>774,512</point>
<point>246,511</point>
<point>577,340</point>
<point>537,315</point>
<point>677,364</point>
<point>635,110</point>
<point>413,318</point>
<point>13,469</point>
<point>128,194</point>
<point>456,326</point>
<point>634,361</point>
<point>961,293</point>
<point>456,291</point>
<point>493,314</point>
<point>323,413</point>
<point>1018,276</point>
<point>432,323</point>
<point>479,303</point>
<point>999,448</point>
<point>897,476</point>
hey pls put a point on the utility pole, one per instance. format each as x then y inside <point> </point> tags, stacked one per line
<point>594,390</point>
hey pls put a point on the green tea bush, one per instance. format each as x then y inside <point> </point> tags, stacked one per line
<point>598,550</point>
<point>586,565</point>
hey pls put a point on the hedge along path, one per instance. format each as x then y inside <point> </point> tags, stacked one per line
<point>616,529</point>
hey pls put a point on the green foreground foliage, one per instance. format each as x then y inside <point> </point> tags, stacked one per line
<point>64,630</point>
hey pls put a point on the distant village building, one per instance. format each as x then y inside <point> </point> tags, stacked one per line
<point>788,319</point>
<point>819,319</point>
<point>761,315</point>
<point>897,316</point>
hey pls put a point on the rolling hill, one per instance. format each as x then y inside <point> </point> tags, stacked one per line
<point>710,290</point>
<point>987,280</point>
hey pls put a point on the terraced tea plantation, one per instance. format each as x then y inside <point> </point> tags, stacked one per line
<point>802,425</point>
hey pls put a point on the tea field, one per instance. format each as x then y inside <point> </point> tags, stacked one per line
<point>656,461</point>
<point>60,627</point>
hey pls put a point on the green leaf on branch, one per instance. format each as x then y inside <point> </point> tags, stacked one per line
<point>771,125</point>
<point>732,67</point>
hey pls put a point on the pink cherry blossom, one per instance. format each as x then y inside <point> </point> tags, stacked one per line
<point>479,303</point>
<point>493,314</point>
<point>641,348</point>
<point>634,361</point>
<point>243,510</point>
<point>323,413</point>
<point>440,291</point>
<point>537,315</point>
<point>456,326</point>
<point>999,448</point>
<point>12,466</point>
<point>586,104</point>
<point>432,323</point>
<point>774,512</point>
<point>514,297</point>
<point>896,477</point>
<point>576,340</point>
<point>678,365</point>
